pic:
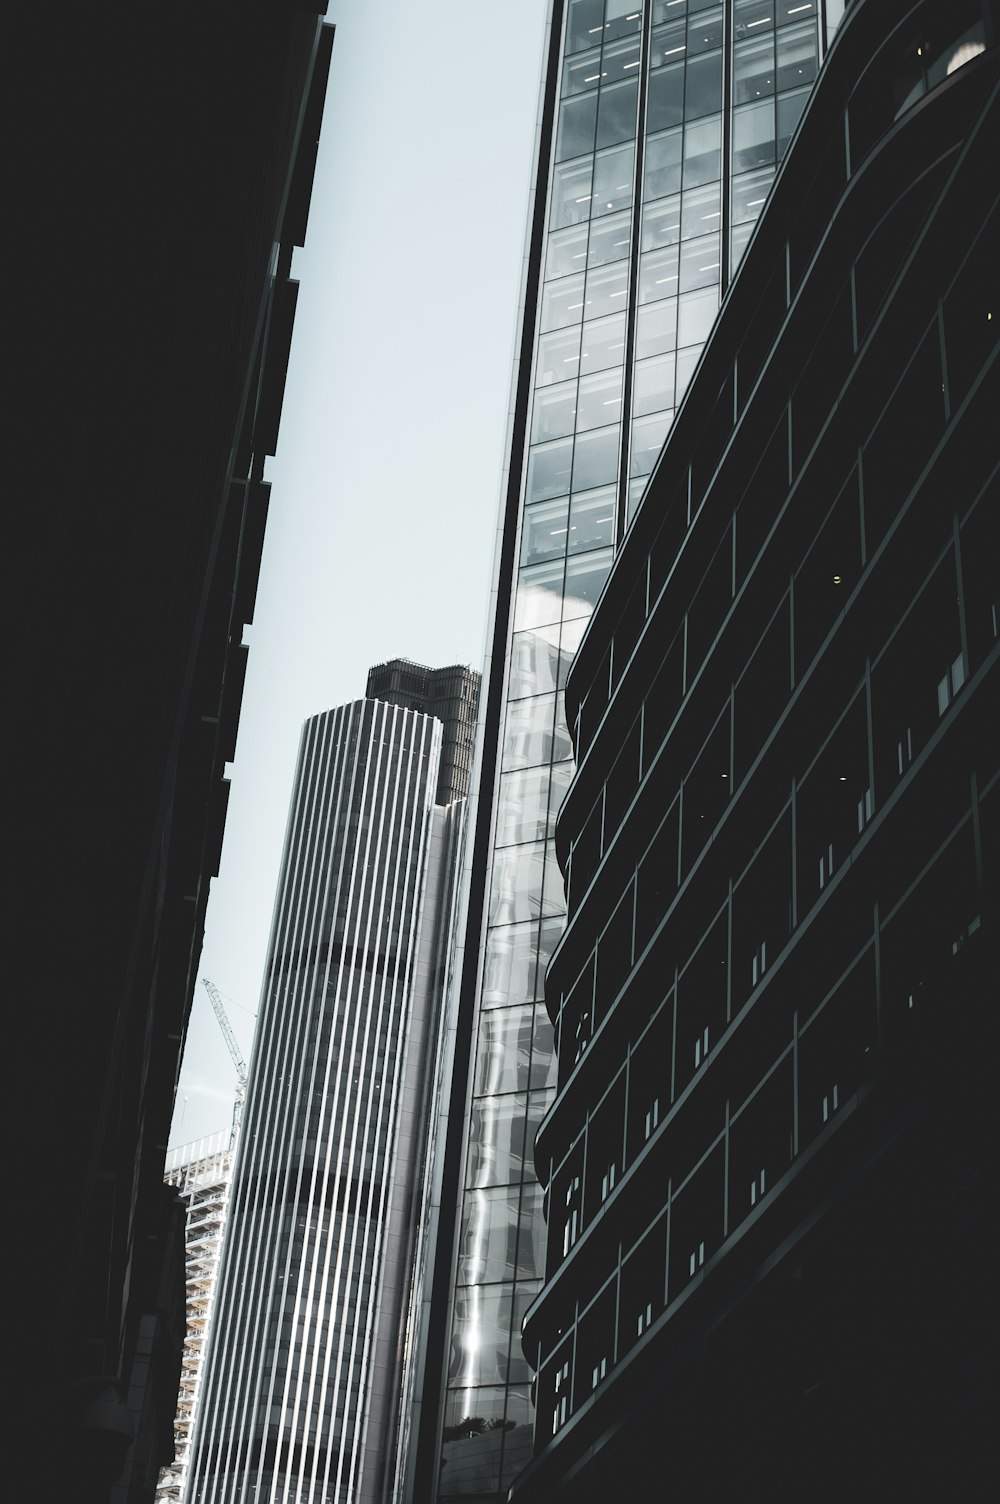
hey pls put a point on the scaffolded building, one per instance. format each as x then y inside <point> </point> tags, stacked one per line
<point>202,1174</point>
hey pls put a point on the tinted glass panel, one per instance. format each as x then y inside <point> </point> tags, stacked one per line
<point>609,239</point>
<point>571,194</point>
<point>613,179</point>
<point>510,966</point>
<point>592,520</point>
<point>503,1054</point>
<point>607,290</point>
<point>544,533</point>
<point>534,662</point>
<point>562,302</point>
<point>539,592</point>
<point>549,470</point>
<point>488,1246</point>
<point>656,328</point>
<point>555,407</point>
<point>577,121</point>
<point>600,400</point>
<point>595,462</point>
<point>662,166</point>
<point>616,115</point>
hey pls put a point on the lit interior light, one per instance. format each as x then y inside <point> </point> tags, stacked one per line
<point>711,267</point>
<point>755,203</point>
<point>611,401</point>
<point>671,50</point>
<point>725,775</point>
<point>920,52</point>
<point>765,22</point>
<point>836,579</point>
<point>591,78</point>
<point>584,200</point>
<point>630,65</point>
<point>664,279</point>
<point>796,8</point>
<point>621,242</point>
<point>843,777</point>
<point>714,215</point>
<point>571,306</point>
<point>989,317</point>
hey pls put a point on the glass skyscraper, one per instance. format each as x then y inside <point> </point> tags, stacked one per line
<point>661,127</point>
<point>300,1398</point>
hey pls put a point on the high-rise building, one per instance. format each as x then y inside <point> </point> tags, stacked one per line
<point>301,1397</point>
<point>660,128</point>
<point>200,1173</point>
<point>163,185</point>
<point>770,1264</point>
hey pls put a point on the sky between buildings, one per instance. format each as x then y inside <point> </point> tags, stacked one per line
<point>385,488</point>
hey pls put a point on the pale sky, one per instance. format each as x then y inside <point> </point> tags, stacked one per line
<point>385,488</point>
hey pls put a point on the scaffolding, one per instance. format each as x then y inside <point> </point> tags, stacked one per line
<point>201,1173</point>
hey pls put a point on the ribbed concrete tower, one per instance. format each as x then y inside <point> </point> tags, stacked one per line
<point>299,1400</point>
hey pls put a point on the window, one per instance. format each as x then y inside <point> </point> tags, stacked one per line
<point>616,116</point>
<point>577,121</point>
<point>948,687</point>
<point>608,1181</point>
<point>697,1258</point>
<point>753,136</point>
<point>613,172</point>
<point>865,809</point>
<point>571,1227</point>
<point>560,1386</point>
<point>662,167</point>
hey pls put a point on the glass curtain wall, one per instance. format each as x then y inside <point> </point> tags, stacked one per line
<point>671,118</point>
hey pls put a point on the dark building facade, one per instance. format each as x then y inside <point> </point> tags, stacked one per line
<point>162,178</point>
<point>301,1394</point>
<point>768,1170</point>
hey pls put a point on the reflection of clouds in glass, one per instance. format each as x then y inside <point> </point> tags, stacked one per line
<point>539,596</point>
<point>504,1053</point>
<point>962,54</point>
<point>510,966</point>
<point>489,1236</point>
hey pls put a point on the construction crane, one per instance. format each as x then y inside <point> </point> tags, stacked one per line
<point>234,1050</point>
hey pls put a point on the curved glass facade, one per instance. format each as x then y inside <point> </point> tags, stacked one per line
<point>669,119</point>
<point>781,844</point>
